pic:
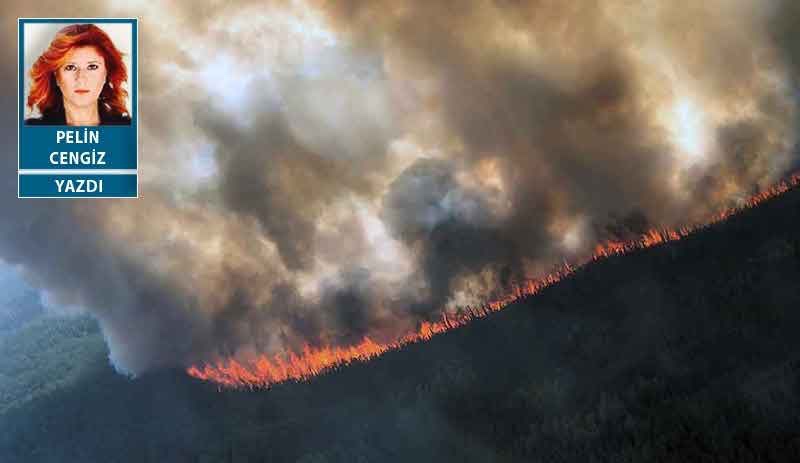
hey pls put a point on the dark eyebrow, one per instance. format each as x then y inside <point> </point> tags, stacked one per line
<point>88,62</point>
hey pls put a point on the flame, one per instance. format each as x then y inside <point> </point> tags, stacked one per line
<point>312,361</point>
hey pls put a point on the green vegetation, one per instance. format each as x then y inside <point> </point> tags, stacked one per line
<point>45,355</point>
<point>684,352</point>
<point>19,303</point>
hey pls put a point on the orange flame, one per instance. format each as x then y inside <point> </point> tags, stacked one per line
<point>312,361</point>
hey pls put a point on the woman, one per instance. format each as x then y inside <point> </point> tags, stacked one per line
<point>78,80</point>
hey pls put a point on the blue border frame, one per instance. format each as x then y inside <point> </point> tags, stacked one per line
<point>134,75</point>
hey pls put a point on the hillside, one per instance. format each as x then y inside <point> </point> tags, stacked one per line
<point>683,352</point>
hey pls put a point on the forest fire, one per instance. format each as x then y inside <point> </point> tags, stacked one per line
<point>312,361</point>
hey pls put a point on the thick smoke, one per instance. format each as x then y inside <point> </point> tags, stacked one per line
<point>314,173</point>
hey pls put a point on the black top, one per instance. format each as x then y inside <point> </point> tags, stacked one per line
<point>58,117</point>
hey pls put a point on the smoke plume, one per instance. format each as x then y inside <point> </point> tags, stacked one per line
<point>314,172</point>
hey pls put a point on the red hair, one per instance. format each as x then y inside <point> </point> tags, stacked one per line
<point>44,92</point>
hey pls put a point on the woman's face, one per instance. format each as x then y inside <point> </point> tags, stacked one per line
<point>82,76</point>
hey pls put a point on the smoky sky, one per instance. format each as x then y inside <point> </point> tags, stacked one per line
<point>317,172</point>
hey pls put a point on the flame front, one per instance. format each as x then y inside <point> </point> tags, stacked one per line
<point>311,361</point>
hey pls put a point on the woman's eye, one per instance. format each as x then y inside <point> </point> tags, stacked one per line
<point>70,67</point>
<point>92,67</point>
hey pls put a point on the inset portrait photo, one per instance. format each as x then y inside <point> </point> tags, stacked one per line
<point>77,74</point>
<point>77,122</point>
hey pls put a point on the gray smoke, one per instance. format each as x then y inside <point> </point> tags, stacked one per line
<point>314,173</point>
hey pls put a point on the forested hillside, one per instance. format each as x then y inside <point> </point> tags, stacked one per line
<point>684,352</point>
